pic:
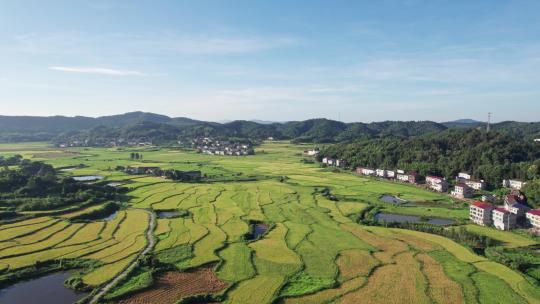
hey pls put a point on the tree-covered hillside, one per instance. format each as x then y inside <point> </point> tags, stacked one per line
<point>489,156</point>
<point>161,128</point>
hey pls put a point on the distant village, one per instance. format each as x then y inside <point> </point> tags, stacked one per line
<point>513,212</point>
<point>212,146</point>
<point>118,142</point>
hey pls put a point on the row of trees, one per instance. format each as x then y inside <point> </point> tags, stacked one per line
<point>135,156</point>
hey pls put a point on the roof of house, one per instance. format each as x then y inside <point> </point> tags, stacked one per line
<point>519,206</point>
<point>511,199</point>
<point>434,177</point>
<point>534,211</point>
<point>462,185</point>
<point>502,210</point>
<point>482,205</point>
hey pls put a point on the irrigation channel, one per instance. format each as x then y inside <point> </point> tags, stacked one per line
<point>151,243</point>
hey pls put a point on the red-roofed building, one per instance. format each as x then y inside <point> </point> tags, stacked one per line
<point>503,219</point>
<point>533,217</point>
<point>480,213</point>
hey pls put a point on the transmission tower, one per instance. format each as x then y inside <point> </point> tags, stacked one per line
<point>488,122</point>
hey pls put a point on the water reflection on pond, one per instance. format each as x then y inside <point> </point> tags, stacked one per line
<point>87,178</point>
<point>400,218</point>
<point>48,289</point>
<point>392,199</point>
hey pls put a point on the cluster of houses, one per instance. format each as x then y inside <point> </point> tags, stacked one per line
<point>170,173</point>
<point>116,142</point>
<point>513,213</point>
<point>222,147</point>
<point>400,175</point>
<point>340,163</point>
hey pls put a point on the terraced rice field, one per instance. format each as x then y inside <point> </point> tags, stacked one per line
<point>314,252</point>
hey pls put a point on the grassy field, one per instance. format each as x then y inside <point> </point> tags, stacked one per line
<point>314,252</point>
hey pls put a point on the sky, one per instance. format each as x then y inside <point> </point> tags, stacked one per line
<point>272,60</point>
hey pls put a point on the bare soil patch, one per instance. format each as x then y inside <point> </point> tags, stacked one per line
<point>173,286</point>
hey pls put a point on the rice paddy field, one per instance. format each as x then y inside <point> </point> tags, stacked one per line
<point>313,250</point>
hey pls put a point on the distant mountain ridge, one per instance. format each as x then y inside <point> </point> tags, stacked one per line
<point>164,128</point>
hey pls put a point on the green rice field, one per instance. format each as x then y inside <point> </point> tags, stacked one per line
<point>313,252</point>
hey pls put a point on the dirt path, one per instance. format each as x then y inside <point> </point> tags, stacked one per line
<point>151,242</point>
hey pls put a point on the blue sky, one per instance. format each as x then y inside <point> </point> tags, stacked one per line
<point>272,60</point>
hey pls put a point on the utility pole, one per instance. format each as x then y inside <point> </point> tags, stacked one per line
<point>488,122</point>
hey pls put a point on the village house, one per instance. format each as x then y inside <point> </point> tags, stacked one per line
<point>341,163</point>
<point>513,184</point>
<point>380,173</point>
<point>513,203</point>
<point>489,198</point>
<point>466,179</point>
<point>476,185</point>
<point>533,218</point>
<point>312,152</point>
<point>463,176</point>
<point>440,187</point>
<point>481,213</point>
<point>402,176</point>
<point>390,173</point>
<point>365,171</point>
<point>503,219</point>
<point>437,183</point>
<point>328,161</point>
<point>407,177</point>
<point>461,190</point>
<point>143,170</point>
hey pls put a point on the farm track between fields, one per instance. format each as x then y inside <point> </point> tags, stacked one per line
<point>150,245</point>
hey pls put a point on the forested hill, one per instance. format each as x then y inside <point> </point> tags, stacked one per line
<point>156,128</point>
<point>489,156</point>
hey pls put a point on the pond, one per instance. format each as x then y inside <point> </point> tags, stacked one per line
<point>168,214</point>
<point>392,199</point>
<point>48,289</point>
<point>110,217</point>
<point>257,230</point>
<point>87,178</point>
<point>400,218</point>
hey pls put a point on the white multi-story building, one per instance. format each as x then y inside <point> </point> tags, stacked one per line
<point>476,185</point>
<point>440,187</point>
<point>328,161</point>
<point>533,217</point>
<point>513,184</point>
<point>431,179</point>
<point>463,175</point>
<point>480,213</point>
<point>503,219</point>
<point>380,172</point>
<point>402,177</point>
<point>365,171</point>
<point>390,173</point>
<point>311,152</point>
<point>437,183</point>
<point>462,191</point>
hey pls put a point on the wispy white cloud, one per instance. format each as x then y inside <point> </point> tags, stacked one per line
<point>144,43</point>
<point>97,70</point>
